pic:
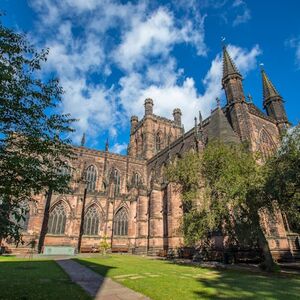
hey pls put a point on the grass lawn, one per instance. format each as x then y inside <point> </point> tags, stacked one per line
<point>25,279</point>
<point>164,280</point>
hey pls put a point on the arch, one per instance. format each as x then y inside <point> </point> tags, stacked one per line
<point>121,222</point>
<point>91,221</point>
<point>91,178</point>
<point>266,144</point>
<point>136,179</point>
<point>57,219</point>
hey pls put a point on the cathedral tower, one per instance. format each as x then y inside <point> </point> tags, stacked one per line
<point>236,104</point>
<point>273,103</point>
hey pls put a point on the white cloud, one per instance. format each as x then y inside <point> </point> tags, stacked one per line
<point>169,93</point>
<point>155,36</point>
<point>295,44</point>
<point>84,54</point>
<point>119,148</point>
<point>244,13</point>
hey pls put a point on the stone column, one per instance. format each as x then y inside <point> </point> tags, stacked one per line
<point>156,221</point>
<point>175,215</point>
<point>142,223</point>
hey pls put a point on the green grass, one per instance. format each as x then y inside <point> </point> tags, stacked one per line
<point>36,279</point>
<point>164,280</point>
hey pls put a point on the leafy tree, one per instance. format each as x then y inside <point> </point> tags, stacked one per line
<point>104,245</point>
<point>223,191</point>
<point>33,143</point>
<point>283,177</point>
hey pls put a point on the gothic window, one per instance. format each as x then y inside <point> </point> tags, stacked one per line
<point>158,142</point>
<point>57,219</point>
<point>136,179</point>
<point>121,222</point>
<point>91,177</point>
<point>117,180</point>
<point>266,145</point>
<point>91,221</point>
<point>65,169</point>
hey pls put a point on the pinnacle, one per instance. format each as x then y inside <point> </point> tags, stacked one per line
<point>269,89</point>
<point>229,68</point>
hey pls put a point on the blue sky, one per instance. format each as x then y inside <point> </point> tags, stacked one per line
<point>110,55</point>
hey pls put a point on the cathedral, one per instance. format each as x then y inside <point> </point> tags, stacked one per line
<point>127,199</point>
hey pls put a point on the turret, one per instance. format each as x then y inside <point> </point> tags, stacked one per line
<point>133,121</point>
<point>232,79</point>
<point>237,110</point>
<point>177,116</point>
<point>148,106</point>
<point>273,102</point>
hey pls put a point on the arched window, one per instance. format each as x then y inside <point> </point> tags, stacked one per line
<point>121,222</point>
<point>266,145</point>
<point>117,181</point>
<point>91,177</point>
<point>158,142</point>
<point>136,179</point>
<point>57,219</point>
<point>65,169</point>
<point>91,221</point>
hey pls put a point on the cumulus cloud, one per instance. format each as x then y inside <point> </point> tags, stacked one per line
<point>174,90</point>
<point>85,55</point>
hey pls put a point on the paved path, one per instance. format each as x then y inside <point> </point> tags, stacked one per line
<point>96,285</point>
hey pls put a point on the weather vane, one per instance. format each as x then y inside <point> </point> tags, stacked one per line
<point>223,39</point>
<point>261,66</point>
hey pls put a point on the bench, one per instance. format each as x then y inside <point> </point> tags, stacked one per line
<point>89,249</point>
<point>119,249</point>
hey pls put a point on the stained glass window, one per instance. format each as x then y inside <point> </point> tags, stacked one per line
<point>57,219</point>
<point>91,221</point>
<point>266,145</point>
<point>91,177</point>
<point>121,222</point>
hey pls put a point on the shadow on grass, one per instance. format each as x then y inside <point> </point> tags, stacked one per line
<point>36,279</point>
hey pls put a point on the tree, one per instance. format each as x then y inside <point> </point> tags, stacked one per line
<point>283,177</point>
<point>33,135</point>
<point>222,190</point>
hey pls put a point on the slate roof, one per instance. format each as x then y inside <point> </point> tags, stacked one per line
<point>220,129</point>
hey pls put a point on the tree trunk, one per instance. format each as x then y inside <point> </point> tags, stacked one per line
<point>44,228</point>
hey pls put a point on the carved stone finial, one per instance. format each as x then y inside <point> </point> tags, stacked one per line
<point>82,143</point>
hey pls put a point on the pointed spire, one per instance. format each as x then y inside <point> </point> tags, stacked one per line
<point>82,143</point>
<point>269,89</point>
<point>106,145</point>
<point>229,68</point>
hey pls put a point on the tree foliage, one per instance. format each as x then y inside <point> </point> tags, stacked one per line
<point>224,189</point>
<point>283,177</point>
<point>33,136</point>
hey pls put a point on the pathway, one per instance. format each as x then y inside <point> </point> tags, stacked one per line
<point>102,288</point>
